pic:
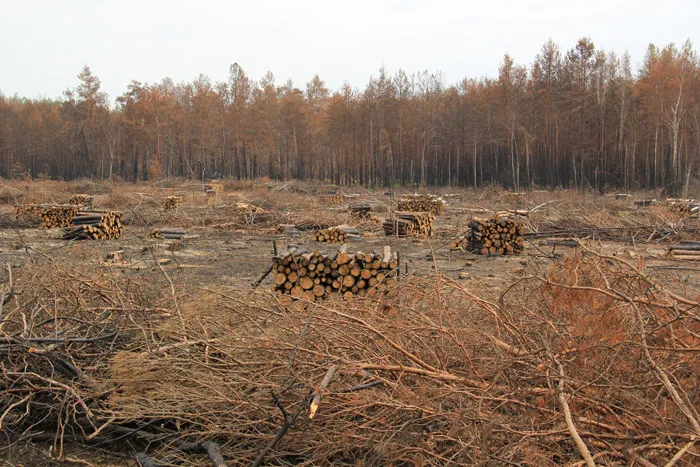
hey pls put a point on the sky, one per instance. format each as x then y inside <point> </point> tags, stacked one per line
<point>44,44</point>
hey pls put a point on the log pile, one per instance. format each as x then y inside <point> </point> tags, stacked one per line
<point>333,199</point>
<point>514,197</point>
<point>48,215</point>
<point>644,202</point>
<point>171,203</point>
<point>684,207</point>
<point>247,209</point>
<point>687,250</point>
<point>213,189</point>
<point>96,225</point>
<point>330,235</point>
<point>83,200</point>
<point>312,276</point>
<point>402,224</point>
<point>421,203</point>
<point>167,234</point>
<point>360,211</point>
<point>495,236</point>
<point>28,211</point>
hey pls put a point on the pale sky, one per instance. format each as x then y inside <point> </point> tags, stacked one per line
<point>44,44</point>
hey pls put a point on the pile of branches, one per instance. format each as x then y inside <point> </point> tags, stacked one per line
<point>402,224</point>
<point>82,200</point>
<point>95,225</point>
<point>421,203</point>
<point>313,275</point>
<point>590,363</point>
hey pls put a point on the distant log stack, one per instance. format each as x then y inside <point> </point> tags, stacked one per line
<point>302,226</point>
<point>333,199</point>
<point>331,235</point>
<point>686,250</point>
<point>312,276</point>
<point>171,203</point>
<point>82,200</point>
<point>96,225</point>
<point>644,202</point>
<point>418,224</point>
<point>514,197</point>
<point>213,189</point>
<point>421,203</point>
<point>497,236</point>
<point>167,234</point>
<point>684,207</point>
<point>245,208</point>
<point>360,211</point>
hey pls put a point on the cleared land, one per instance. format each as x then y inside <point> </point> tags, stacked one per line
<point>160,351</point>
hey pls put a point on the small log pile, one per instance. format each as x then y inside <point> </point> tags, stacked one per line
<point>644,202</point>
<point>514,197</point>
<point>495,236</point>
<point>421,203</point>
<point>28,211</point>
<point>171,203</point>
<point>213,189</point>
<point>330,235</point>
<point>167,234</point>
<point>83,200</point>
<point>687,250</point>
<point>95,225</point>
<point>333,199</point>
<point>402,224</point>
<point>245,208</point>
<point>360,211</point>
<point>684,207</point>
<point>313,276</point>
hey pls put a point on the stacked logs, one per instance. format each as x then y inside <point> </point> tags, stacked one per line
<point>460,243</point>
<point>171,203</point>
<point>57,215</point>
<point>421,203</point>
<point>312,276</point>
<point>83,200</point>
<point>360,211</point>
<point>213,189</point>
<point>167,234</point>
<point>330,235</point>
<point>402,224</point>
<point>333,199</point>
<point>495,236</point>
<point>687,250</point>
<point>96,225</point>
<point>245,208</point>
<point>684,207</point>
<point>31,211</point>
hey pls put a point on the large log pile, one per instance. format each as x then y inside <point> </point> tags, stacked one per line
<point>95,225</point>
<point>330,235</point>
<point>333,199</point>
<point>500,236</point>
<point>167,233</point>
<point>83,200</point>
<point>171,203</point>
<point>402,224</point>
<point>313,276</point>
<point>421,203</point>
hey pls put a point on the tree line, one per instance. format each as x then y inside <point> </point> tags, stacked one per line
<point>577,118</point>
